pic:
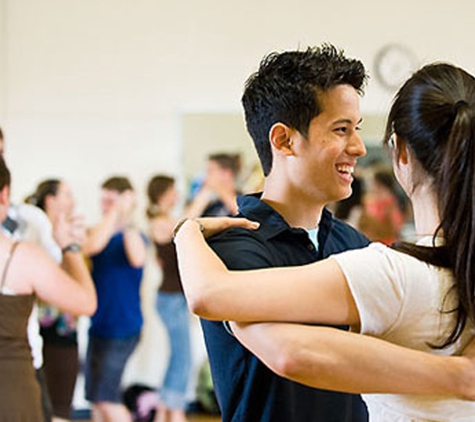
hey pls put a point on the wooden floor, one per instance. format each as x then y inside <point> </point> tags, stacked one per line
<point>191,418</point>
<point>203,418</point>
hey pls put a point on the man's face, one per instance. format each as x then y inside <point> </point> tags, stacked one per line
<point>108,199</point>
<point>217,175</point>
<point>323,164</point>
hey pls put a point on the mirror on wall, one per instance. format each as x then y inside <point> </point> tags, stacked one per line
<point>210,133</point>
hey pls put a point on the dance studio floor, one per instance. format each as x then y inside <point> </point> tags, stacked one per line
<point>191,418</point>
<point>203,418</point>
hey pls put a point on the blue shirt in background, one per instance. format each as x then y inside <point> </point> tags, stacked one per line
<point>118,313</point>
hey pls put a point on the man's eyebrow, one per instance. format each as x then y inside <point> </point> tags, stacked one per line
<point>349,121</point>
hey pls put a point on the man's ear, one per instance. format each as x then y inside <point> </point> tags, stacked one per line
<point>280,137</point>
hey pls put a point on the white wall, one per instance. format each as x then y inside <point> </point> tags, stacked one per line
<point>93,87</point>
<point>3,56</point>
<point>89,88</point>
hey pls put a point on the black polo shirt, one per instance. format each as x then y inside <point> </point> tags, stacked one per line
<point>248,391</point>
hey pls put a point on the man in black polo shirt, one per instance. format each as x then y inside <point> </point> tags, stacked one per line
<point>302,111</point>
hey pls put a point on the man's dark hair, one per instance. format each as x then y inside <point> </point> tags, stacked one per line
<point>117,183</point>
<point>285,89</point>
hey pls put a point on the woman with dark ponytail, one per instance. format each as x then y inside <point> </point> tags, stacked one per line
<point>417,296</point>
<point>434,113</point>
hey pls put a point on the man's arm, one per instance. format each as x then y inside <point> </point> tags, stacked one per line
<point>332,359</point>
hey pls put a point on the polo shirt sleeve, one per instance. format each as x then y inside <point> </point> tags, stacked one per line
<point>376,278</point>
<point>240,251</point>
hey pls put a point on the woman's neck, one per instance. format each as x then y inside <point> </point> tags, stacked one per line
<point>426,214</point>
<point>51,216</point>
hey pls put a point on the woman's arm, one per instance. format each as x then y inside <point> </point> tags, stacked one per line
<point>135,248</point>
<point>68,287</point>
<point>161,229</point>
<point>333,359</point>
<point>72,289</point>
<point>134,244</point>
<point>316,293</point>
<point>99,235</point>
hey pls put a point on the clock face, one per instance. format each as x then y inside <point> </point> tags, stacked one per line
<point>394,64</point>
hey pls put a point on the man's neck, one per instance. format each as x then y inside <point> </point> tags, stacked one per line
<point>294,207</point>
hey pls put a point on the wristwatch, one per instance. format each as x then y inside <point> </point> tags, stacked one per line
<point>73,247</point>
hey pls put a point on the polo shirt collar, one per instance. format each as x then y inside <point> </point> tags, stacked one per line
<point>272,223</point>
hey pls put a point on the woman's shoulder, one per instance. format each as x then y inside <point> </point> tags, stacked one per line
<point>22,260</point>
<point>378,258</point>
<point>161,228</point>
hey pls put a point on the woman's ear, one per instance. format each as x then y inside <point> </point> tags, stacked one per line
<point>401,150</point>
<point>280,137</point>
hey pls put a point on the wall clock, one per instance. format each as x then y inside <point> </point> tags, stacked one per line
<point>393,64</point>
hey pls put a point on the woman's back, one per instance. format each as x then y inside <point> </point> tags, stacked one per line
<point>19,390</point>
<point>399,299</point>
<point>14,315</point>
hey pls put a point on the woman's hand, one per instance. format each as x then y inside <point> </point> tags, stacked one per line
<point>210,226</point>
<point>68,230</point>
<point>126,202</point>
<point>203,274</point>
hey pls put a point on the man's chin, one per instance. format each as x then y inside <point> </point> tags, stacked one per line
<point>345,195</point>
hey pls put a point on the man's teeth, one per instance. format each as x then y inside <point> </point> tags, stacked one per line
<point>345,169</point>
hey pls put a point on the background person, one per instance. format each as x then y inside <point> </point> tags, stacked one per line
<point>58,329</point>
<point>117,251</point>
<point>28,272</point>
<point>171,303</point>
<point>216,195</point>
<point>382,219</point>
<point>25,222</point>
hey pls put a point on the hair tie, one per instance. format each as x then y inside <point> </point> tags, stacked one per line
<point>459,104</point>
<point>32,199</point>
